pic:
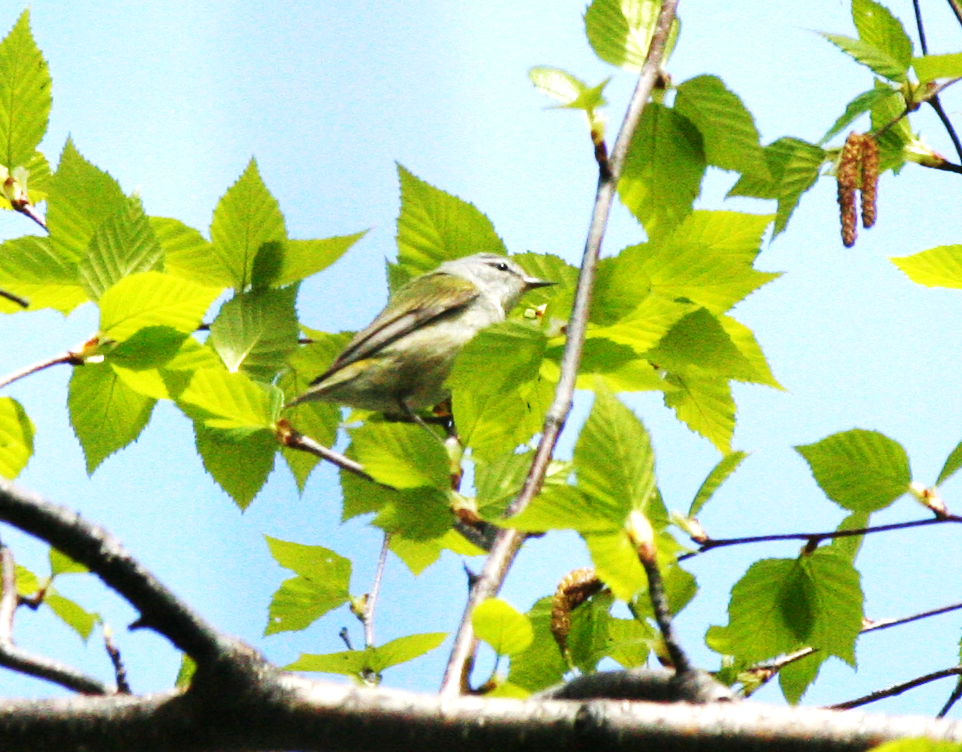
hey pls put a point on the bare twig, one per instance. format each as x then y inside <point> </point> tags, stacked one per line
<point>953,698</point>
<point>290,437</point>
<point>69,357</point>
<point>508,542</point>
<point>956,7</point>
<point>120,672</point>
<point>813,539</point>
<point>371,603</point>
<point>897,689</point>
<point>22,302</point>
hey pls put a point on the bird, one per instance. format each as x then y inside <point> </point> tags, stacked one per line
<point>399,363</point>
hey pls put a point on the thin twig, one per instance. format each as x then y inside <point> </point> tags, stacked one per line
<point>508,542</point>
<point>953,698</point>
<point>937,106</point>
<point>120,672</point>
<point>956,7</point>
<point>293,439</point>
<point>920,27</point>
<point>67,357</point>
<point>659,604</point>
<point>896,689</point>
<point>22,302</point>
<point>814,539</point>
<point>371,603</point>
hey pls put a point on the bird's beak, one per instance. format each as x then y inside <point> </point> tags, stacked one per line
<point>533,283</point>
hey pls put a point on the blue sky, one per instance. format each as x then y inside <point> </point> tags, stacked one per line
<point>173,98</point>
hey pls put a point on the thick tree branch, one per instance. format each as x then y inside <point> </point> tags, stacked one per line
<point>508,542</point>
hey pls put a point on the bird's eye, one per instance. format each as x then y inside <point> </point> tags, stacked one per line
<point>501,267</point>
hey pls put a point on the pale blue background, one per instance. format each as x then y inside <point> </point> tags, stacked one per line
<point>173,98</point>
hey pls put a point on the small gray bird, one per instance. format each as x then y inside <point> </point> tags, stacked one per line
<point>399,363</point>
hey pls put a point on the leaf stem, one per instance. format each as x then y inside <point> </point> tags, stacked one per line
<point>68,357</point>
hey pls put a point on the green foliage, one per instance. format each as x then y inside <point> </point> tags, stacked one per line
<point>16,438</point>
<point>498,624</point>
<point>322,582</point>
<point>620,31</point>
<point>370,662</point>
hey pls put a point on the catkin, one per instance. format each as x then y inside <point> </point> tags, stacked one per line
<point>847,176</point>
<point>870,164</point>
<point>574,589</point>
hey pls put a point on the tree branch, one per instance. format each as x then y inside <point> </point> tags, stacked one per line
<point>508,542</point>
<point>897,689</point>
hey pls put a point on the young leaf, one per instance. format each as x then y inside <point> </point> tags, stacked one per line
<point>952,463</point>
<point>24,95</point>
<point>435,226</point>
<point>541,665</point>
<point>727,128</point>
<point>302,258</point>
<point>878,61</point>
<point>153,299</point>
<point>936,267</point>
<point>239,462</point>
<point>60,563</point>
<point>719,474</point>
<point>72,614</point>
<point>105,413</point>
<point>744,340</point>
<point>322,584</point>
<point>861,104</point>
<point>931,67</point>
<point>246,218</point>
<point>16,438</point>
<point>81,199</point>
<point>187,254</point>
<point>256,331</point>
<point>230,400</point>
<point>571,91</point>
<point>124,244</point>
<point>33,268</point>
<point>418,555</point>
<point>859,470</point>
<point>362,663</point>
<point>781,605</point>
<point>497,623</point>
<point>663,170</point>
<point>703,403</point>
<point>401,456</point>
<point>620,31</point>
<point>150,348</point>
<point>699,340</point>
<point>795,678</point>
<point>614,461</point>
<point>615,559</point>
<point>878,27</point>
<point>419,514</point>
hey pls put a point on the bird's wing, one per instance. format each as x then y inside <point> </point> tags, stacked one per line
<point>425,298</point>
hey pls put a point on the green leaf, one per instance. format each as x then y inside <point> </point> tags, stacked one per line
<point>401,455</point>
<point>541,665</point>
<point>616,366</point>
<point>861,104</point>
<point>418,555</point>
<point>663,169</point>
<point>629,642</point>
<point>699,340</point>
<point>153,299</point>
<point>571,91</point>
<point>16,438</point>
<point>931,67</point>
<point>150,348</point>
<point>24,95</point>
<point>60,563</point>
<point>122,245</point>
<point>707,260</point>
<point>302,258</point>
<point>498,623</point>
<point>794,166</point>
<point>81,199</point>
<point>952,463</point>
<point>35,269</point>
<point>27,582</point>
<point>935,267</point>
<point>615,560</point>
<point>620,31</point>
<point>322,584</point>
<point>419,514</point>
<point>187,254</point>
<point>727,128</point>
<point>878,61</point>
<point>859,470</point>
<point>239,463</point>
<point>718,475</point>
<point>72,614</point>
<point>498,480</point>
<point>889,113</point>
<point>614,461</point>
<point>704,403</point>
<point>642,328</point>
<point>105,413</point>
<point>849,545</point>
<point>917,745</point>
<point>878,27</point>
<point>491,413</point>
<point>246,218</point>
<point>230,400</point>
<point>744,340</point>
<point>362,663</point>
<point>435,226</point>
<point>256,331</point>
<point>795,678</point>
<point>781,605</point>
